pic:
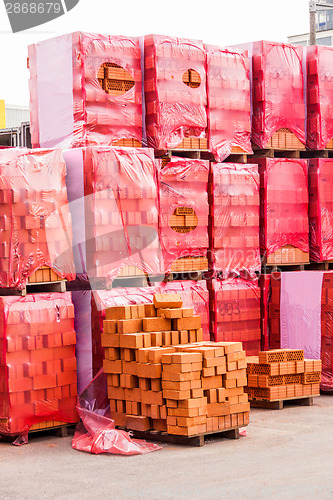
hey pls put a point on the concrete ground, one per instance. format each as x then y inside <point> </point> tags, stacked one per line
<point>286,454</point>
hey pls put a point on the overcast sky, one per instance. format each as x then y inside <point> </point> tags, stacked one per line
<point>221,22</point>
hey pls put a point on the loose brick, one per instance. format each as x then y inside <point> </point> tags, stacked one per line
<point>176,385</point>
<point>156,339</point>
<point>130,325</point>
<point>150,311</point>
<point>187,357</point>
<point>131,340</point>
<point>230,346</point>
<point>112,366</point>
<point>110,340</point>
<point>167,300</point>
<point>183,337</point>
<point>235,374</point>
<point>212,382</point>
<point>166,338</point>
<point>218,409</point>
<point>197,393</point>
<point>156,384</point>
<point>193,323</point>
<point>190,421</point>
<point>176,376</point>
<point>193,403</point>
<point>170,313</point>
<point>149,370</point>
<point>137,423</point>
<point>178,395</point>
<point>110,326</point>
<point>118,312</point>
<point>156,324</point>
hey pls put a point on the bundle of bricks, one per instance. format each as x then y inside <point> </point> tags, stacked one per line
<point>282,374</point>
<point>162,376</point>
<point>37,362</point>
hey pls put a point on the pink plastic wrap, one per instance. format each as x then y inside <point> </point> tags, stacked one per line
<point>327,332</point>
<point>84,348</point>
<point>283,204</point>
<point>235,219</point>
<point>277,90</point>
<point>321,209</point>
<point>235,307</point>
<point>35,223</point>
<point>183,185</point>
<point>229,108</point>
<point>175,108</point>
<point>265,294</point>
<point>319,97</point>
<point>69,106</point>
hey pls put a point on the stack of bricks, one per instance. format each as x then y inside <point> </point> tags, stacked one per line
<point>282,374</point>
<point>162,376</point>
<point>38,378</point>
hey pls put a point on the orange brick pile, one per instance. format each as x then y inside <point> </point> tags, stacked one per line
<point>162,376</point>
<point>282,374</point>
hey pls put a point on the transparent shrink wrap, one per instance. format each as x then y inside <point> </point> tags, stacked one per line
<point>235,219</point>
<point>183,209</point>
<point>85,89</point>
<point>327,333</point>
<point>319,61</point>
<point>37,363</point>
<point>35,222</point>
<point>175,91</point>
<point>229,103</point>
<point>321,209</point>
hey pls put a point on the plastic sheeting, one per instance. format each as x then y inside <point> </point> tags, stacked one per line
<point>235,219</point>
<point>265,294</point>
<point>283,204</point>
<point>327,332</point>
<point>321,209</point>
<point>183,188</point>
<point>69,106</point>
<point>174,109</point>
<point>35,223</point>
<point>82,324</point>
<point>229,109</point>
<point>37,362</point>
<point>319,96</point>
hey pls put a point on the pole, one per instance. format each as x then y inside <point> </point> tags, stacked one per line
<point>312,10</point>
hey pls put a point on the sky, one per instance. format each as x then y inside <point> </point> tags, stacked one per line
<point>219,22</point>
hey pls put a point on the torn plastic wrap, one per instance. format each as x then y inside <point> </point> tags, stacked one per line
<point>235,309</point>
<point>35,223</point>
<point>319,97</point>
<point>235,219</point>
<point>184,211</point>
<point>321,209</point>
<point>85,89</point>
<point>229,104</point>
<point>37,362</point>
<point>175,91</point>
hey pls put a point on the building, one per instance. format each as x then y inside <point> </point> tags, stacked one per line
<point>324,29</point>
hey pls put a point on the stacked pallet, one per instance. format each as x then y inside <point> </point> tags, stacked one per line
<point>282,374</point>
<point>162,376</point>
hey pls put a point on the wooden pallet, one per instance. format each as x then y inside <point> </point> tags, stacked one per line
<point>317,153</point>
<point>195,154</point>
<point>47,287</point>
<point>60,429</point>
<point>278,404</point>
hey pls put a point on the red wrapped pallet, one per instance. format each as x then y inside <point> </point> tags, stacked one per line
<point>175,92</point>
<point>184,211</point>
<point>327,333</point>
<point>265,294</point>
<point>236,313</point>
<point>235,219</point>
<point>35,223</point>
<point>85,89</point>
<point>321,209</point>
<point>319,97</point>
<point>37,362</point>
<point>229,104</point>
<point>284,225</point>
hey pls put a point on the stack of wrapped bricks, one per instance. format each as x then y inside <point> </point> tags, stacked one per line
<point>282,374</point>
<point>184,211</point>
<point>79,95</point>
<point>284,223</point>
<point>37,362</point>
<point>162,376</point>
<point>234,220</point>
<point>35,223</point>
<point>175,93</point>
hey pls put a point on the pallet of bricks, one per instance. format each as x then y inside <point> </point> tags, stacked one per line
<point>282,374</point>
<point>162,377</point>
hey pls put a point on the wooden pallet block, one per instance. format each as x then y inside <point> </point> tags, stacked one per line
<point>278,404</point>
<point>288,255</point>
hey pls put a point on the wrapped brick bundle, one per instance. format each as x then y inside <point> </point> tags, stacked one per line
<point>235,306</point>
<point>327,333</point>
<point>175,92</point>
<point>37,362</point>
<point>321,209</point>
<point>35,223</point>
<point>319,97</point>
<point>235,219</point>
<point>229,104</point>
<point>184,212</point>
<point>284,225</point>
<point>85,89</point>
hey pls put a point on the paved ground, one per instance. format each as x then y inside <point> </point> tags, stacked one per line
<point>286,454</point>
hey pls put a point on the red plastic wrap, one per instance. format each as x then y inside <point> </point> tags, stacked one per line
<point>319,97</point>
<point>183,189</point>
<point>229,105</point>
<point>174,109</point>
<point>35,223</point>
<point>283,204</point>
<point>321,209</point>
<point>69,102</point>
<point>265,294</point>
<point>277,90</point>
<point>37,362</point>
<point>235,219</point>
<point>121,211</point>
<point>235,306</point>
